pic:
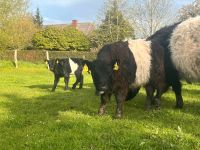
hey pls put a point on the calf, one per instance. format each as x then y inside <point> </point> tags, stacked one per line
<point>65,67</point>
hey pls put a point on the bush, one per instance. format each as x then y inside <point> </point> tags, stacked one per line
<point>67,38</point>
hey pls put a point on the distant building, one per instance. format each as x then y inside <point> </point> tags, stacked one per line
<point>85,27</point>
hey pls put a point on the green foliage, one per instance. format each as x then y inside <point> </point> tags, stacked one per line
<point>38,20</point>
<point>32,117</point>
<point>114,27</point>
<point>16,26</point>
<point>67,38</point>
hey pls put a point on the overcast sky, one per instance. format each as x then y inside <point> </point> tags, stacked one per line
<point>63,11</point>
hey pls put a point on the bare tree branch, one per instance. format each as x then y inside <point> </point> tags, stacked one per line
<point>150,15</point>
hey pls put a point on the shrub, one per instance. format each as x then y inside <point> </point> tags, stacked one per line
<point>67,38</point>
<point>17,33</point>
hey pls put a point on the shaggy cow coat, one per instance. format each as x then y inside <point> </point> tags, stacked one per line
<point>185,49</point>
<point>140,63</point>
<point>181,43</point>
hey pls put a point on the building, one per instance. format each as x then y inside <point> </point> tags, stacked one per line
<point>85,27</point>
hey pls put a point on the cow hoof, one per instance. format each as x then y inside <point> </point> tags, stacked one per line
<point>101,111</point>
<point>118,116</point>
<point>148,108</point>
<point>66,89</point>
<point>158,108</point>
<point>179,106</point>
<point>73,88</point>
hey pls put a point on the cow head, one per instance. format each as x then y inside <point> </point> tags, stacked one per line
<point>102,74</point>
<point>52,63</point>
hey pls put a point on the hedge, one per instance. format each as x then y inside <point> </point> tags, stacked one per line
<point>65,39</point>
<point>37,56</point>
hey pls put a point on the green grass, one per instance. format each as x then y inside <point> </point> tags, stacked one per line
<point>32,117</point>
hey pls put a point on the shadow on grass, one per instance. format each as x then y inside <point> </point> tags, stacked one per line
<point>30,111</point>
<point>48,87</point>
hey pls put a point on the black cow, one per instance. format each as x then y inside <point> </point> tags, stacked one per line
<point>65,67</point>
<point>123,67</point>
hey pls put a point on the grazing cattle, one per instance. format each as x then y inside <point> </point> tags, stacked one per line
<point>181,43</point>
<point>65,67</point>
<point>124,66</point>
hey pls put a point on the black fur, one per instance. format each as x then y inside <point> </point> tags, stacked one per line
<point>163,36</point>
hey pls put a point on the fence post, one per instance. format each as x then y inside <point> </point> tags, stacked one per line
<point>47,58</point>
<point>15,59</point>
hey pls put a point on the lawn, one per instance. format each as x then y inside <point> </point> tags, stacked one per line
<point>32,117</point>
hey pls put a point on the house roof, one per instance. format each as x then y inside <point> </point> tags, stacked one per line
<point>85,27</point>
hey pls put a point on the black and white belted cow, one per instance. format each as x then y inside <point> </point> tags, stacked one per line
<point>181,43</point>
<point>64,67</point>
<point>123,66</point>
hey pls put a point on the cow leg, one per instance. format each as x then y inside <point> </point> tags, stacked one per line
<point>120,97</point>
<point>104,99</point>
<point>177,89</point>
<point>149,99</point>
<point>56,80</point>
<point>81,82</point>
<point>78,78</point>
<point>66,79</point>
<point>162,88</point>
<point>158,98</point>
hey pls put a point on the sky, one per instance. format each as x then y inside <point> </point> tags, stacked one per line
<point>63,11</point>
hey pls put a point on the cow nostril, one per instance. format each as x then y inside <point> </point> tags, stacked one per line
<point>103,87</point>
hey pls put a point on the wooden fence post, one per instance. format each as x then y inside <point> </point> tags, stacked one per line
<point>47,58</point>
<point>15,59</point>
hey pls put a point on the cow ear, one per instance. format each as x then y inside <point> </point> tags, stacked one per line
<point>57,61</point>
<point>116,66</point>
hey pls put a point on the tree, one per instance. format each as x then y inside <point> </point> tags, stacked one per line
<point>190,10</point>
<point>38,19</point>
<point>150,15</point>
<point>20,32</point>
<point>11,9</point>
<point>114,26</point>
<point>14,24</point>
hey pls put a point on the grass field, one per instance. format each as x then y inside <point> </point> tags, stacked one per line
<point>32,117</point>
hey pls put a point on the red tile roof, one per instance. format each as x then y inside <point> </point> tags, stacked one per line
<point>85,27</point>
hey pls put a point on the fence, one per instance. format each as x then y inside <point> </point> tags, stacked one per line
<point>38,56</point>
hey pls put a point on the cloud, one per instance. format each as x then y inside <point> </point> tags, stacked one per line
<point>48,21</point>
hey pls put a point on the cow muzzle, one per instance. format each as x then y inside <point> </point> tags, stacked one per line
<point>101,92</point>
